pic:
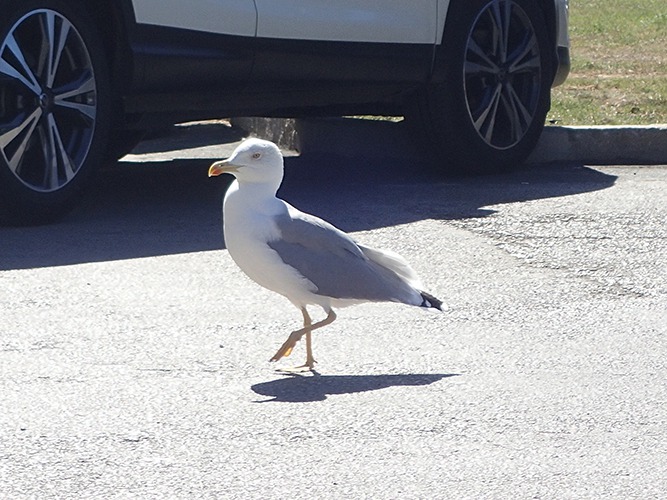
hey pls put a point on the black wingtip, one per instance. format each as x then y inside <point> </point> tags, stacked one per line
<point>430,301</point>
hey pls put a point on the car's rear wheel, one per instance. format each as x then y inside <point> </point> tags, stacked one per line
<point>54,108</point>
<point>489,111</point>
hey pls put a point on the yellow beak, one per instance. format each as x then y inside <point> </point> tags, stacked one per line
<point>221,167</point>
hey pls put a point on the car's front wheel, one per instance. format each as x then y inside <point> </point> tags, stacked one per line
<point>488,111</point>
<point>54,108</point>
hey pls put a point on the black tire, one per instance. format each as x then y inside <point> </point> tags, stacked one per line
<point>54,108</point>
<point>489,110</point>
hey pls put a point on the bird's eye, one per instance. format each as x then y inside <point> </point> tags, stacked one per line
<point>256,156</point>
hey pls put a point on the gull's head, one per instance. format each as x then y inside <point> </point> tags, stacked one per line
<point>254,161</point>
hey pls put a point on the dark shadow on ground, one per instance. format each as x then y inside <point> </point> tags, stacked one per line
<point>302,389</point>
<point>146,209</point>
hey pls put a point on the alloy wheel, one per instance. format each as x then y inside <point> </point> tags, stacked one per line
<point>502,74</point>
<point>48,100</point>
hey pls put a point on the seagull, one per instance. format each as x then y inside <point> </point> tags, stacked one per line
<point>300,256</point>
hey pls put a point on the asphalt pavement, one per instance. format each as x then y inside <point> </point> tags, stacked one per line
<point>134,354</point>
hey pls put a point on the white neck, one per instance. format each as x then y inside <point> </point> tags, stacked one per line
<point>258,197</point>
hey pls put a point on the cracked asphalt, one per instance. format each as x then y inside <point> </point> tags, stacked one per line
<point>134,354</point>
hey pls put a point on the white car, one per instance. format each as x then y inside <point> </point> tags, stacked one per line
<point>79,80</point>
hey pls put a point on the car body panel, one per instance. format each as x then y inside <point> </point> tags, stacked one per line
<point>562,42</point>
<point>229,17</point>
<point>562,12</point>
<point>174,59</point>
<point>397,21</point>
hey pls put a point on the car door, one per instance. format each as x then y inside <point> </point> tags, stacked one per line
<point>228,17</point>
<point>371,21</point>
<point>345,40</point>
<point>195,45</point>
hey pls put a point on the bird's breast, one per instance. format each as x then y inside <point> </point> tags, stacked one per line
<point>247,233</point>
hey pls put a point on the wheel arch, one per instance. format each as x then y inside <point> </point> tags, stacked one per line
<point>115,20</point>
<point>550,16</point>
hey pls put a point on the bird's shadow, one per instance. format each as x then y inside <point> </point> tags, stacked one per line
<point>305,389</point>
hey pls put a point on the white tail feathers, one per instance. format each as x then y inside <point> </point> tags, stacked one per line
<point>395,263</point>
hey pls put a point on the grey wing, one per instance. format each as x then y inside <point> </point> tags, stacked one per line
<point>334,262</point>
<point>312,232</point>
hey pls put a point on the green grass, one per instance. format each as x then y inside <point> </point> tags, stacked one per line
<point>619,64</point>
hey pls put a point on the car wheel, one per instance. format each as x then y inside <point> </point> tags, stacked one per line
<point>54,108</point>
<point>489,112</point>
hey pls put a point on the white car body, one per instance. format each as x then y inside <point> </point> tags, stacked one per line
<point>398,21</point>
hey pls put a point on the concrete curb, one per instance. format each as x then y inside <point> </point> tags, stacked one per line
<point>603,145</point>
<point>598,145</point>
